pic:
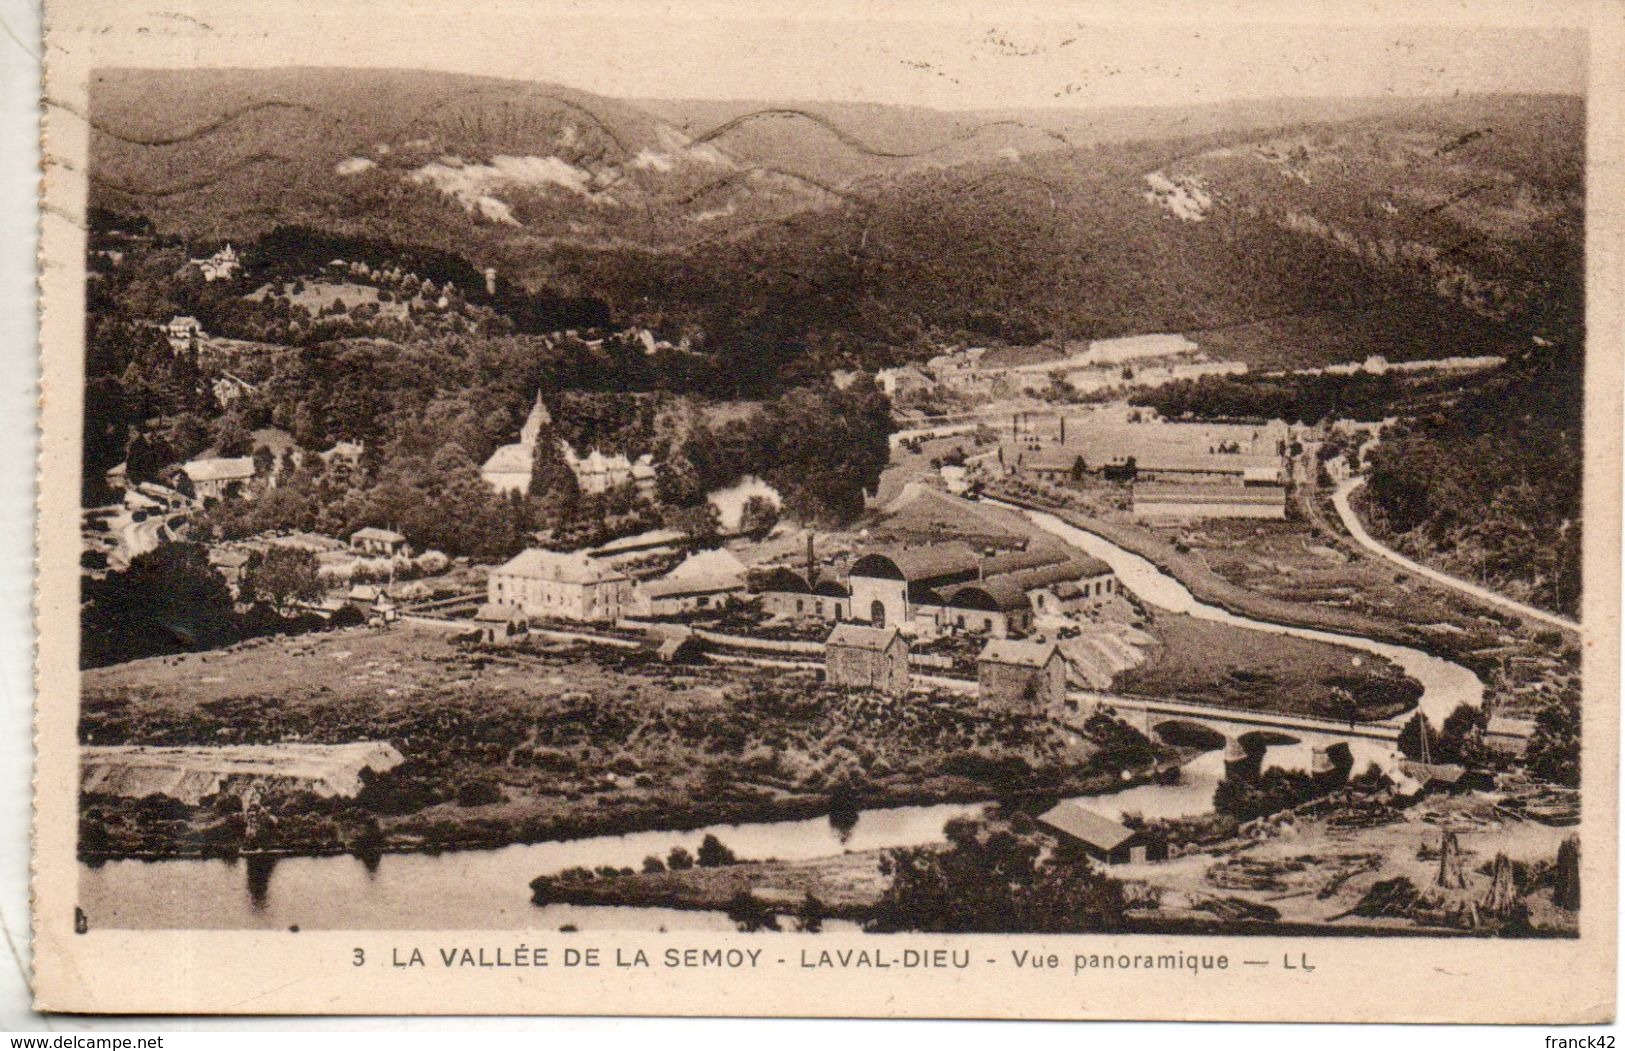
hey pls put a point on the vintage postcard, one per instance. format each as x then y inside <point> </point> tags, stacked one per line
<point>1086,510</point>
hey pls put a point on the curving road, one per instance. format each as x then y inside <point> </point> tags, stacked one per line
<point>1356,528</point>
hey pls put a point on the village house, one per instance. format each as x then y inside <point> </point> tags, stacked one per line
<point>599,472</point>
<point>221,266</point>
<point>369,598</point>
<point>704,580</point>
<point>498,622</point>
<point>566,586</point>
<point>1023,676</point>
<point>1508,736</point>
<point>217,478</point>
<point>374,541</point>
<point>1097,836</point>
<point>346,454</point>
<point>904,379</point>
<point>1161,500</point>
<point>870,658</point>
<point>181,330</point>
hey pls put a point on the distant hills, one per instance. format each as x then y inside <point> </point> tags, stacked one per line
<point>1283,231</point>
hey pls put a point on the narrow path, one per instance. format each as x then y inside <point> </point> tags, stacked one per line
<point>1356,528</point>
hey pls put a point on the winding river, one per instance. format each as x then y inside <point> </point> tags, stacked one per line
<point>1445,684</point>
<point>489,889</point>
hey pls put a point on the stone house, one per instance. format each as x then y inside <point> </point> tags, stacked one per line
<point>871,658</point>
<point>1022,675</point>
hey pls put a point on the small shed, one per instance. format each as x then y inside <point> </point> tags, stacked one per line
<point>1022,674</point>
<point>500,622</point>
<point>873,658</point>
<point>1099,837</point>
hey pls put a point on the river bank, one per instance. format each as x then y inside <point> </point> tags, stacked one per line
<point>559,743</point>
<point>1211,588</point>
<point>1313,871</point>
<point>345,831</point>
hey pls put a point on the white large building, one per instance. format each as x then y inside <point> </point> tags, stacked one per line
<point>566,586</point>
<point>217,477</point>
<point>509,468</point>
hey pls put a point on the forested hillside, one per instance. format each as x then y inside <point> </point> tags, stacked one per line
<point>805,235</point>
<point>1490,488</point>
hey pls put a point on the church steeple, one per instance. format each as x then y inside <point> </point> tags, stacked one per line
<point>538,418</point>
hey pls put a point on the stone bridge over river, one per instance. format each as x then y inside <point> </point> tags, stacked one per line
<point>1267,738</point>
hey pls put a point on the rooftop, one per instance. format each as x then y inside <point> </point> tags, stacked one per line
<point>569,568</point>
<point>1270,495</point>
<point>704,572</point>
<point>387,536</point>
<point>509,459</point>
<point>1086,826</point>
<point>220,469</point>
<point>861,637</point>
<point>1021,654</point>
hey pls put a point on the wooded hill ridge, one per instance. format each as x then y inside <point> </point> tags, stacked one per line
<point>835,225</point>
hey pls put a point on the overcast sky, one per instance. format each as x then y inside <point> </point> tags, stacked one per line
<point>946,54</point>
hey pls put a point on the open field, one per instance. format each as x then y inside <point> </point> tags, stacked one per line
<point>1294,572</point>
<point>1214,663</point>
<point>553,742</point>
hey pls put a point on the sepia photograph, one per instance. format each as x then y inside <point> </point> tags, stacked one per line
<point>579,472</point>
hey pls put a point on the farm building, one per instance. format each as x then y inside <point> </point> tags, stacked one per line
<point>374,541</point>
<point>1021,675</point>
<point>218,477</point>
<point>1099,837</point>
<point>703,580</point>
<point>181,330</point>
<point>497,622</point>
<point>1164,501</point>
<point>874,658</point>
<point>1508,736</point>
<point>569,586</point>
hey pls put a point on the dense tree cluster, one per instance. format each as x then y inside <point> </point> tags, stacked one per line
<point>171,600</point>
<point>994,878</point>
<point>1490,486</point>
